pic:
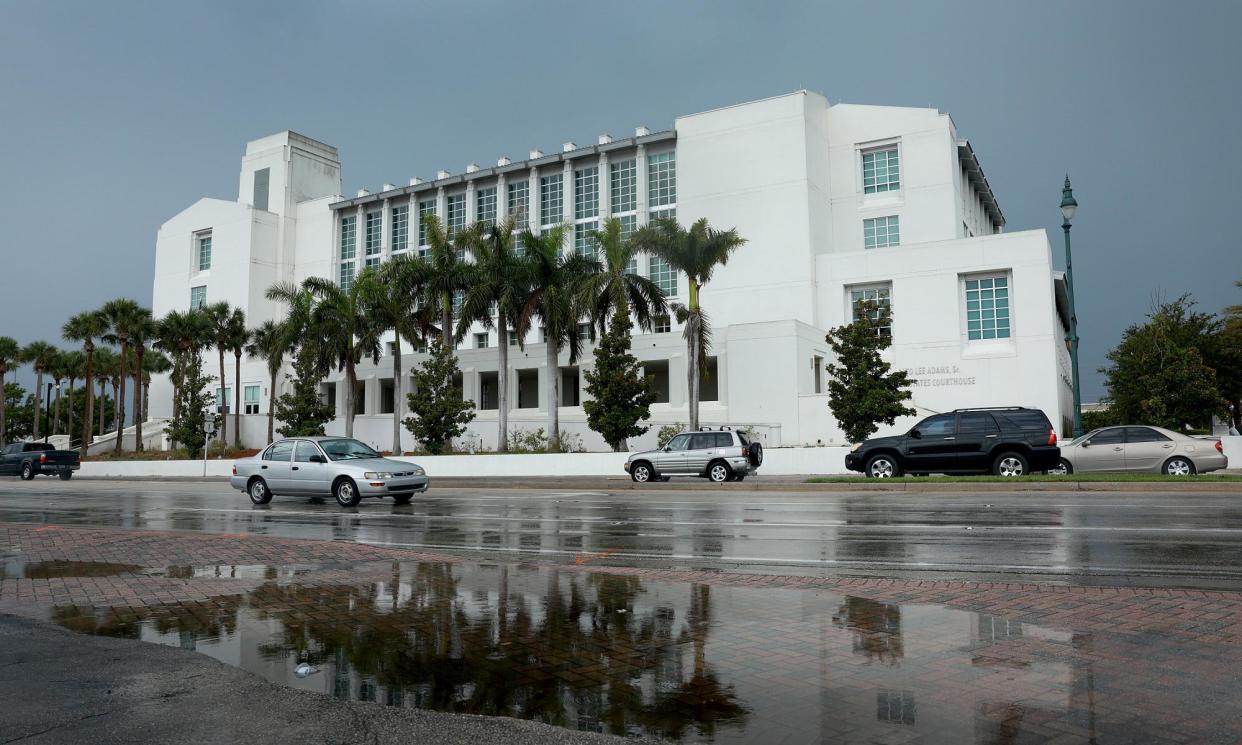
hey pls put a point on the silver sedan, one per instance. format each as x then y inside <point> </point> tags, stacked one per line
<point>1141,450</point>
<point>345,469</point>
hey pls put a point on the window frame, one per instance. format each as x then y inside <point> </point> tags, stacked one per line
<point>891,231</point>
<point>850,303</point>
<point>399,233</point>
<point>872,150</point>
<point>964,281</point>
<point>247,403</point>
<point>199,290</point>
<point>202,237</point>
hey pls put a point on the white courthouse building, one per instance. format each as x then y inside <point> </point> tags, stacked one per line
<point>837,203</point>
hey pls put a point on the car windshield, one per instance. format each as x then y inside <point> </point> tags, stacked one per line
<point>347,449</point>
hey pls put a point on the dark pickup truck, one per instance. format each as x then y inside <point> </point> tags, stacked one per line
<point>29,459</point>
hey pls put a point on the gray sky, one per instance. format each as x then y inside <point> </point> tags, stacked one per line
<point>117,115</point>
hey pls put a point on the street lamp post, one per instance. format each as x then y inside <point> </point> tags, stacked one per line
<point>1069,206</point>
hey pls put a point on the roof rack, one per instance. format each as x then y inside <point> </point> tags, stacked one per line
<point>992,408</point>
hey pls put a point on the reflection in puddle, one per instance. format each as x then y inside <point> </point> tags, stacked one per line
<point>53,569</point>
<point>623,655</point>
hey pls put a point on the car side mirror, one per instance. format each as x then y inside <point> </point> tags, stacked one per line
<point>318,459</point>
<point>916,434</point>
<point>1086,443</point>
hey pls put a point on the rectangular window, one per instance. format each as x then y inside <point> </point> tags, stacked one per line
<point>663,275</point>
<point>262,178</point>
<point>374,238</point>
<point>400,228</point>
<point>513,338</point>
<point>347,275</point>
<point>551,200</point>
<point>662,179</point>
<point>881,295</point>
<point>250,399</point>
<point>879,232</point>
<point>584,244</point>
<point>987,307</point>
<point>224,400</point>
<point>459,296</point>
<point>662,324</point>
<point>519,200</point>
<point>425,207</point>
<point>624,175</point>
<point>586,193</point>
<point>349,232</point>
<point>584,332</point>
<point>881,171</point>
<point>198,297</point>
<point>204,251</point>
<point>456,208</point>
<point>480,341</point>
<point>485,206</point>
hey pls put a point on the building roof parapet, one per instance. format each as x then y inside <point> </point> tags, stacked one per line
<point>974,171</point>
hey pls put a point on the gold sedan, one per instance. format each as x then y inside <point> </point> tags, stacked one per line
<point>1141,450</point>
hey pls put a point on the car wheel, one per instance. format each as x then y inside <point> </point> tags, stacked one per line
<point>754,453</point>
<point>258,491</point>
<point>641,472</point>
<point>1063,468</point>
<point>402,498</point>
<point>883,467</point>
<point>719,472</point>
<point>27,471</point>
<point>66,475</point>
<point>1010,464</point>
<point>740,477</point>
<point>1178,466</point>
<point>346,493</point>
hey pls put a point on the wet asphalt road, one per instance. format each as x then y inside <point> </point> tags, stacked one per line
<point>1109,538</point>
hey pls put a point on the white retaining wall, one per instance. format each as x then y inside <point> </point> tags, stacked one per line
<point>776,462</point>
<point>1233,450</point>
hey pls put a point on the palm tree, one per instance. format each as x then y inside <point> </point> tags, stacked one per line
<point>153,363</point>
<point>449,271</point>
<point>75,369</point>
<point>10,356</point>
<point>123,315</point>
<point>345,330</point>
<point>238,337</point>
<point>56,368</point>
<point>86,327</point>
<point>179,334</point>
<point>498,283</point>
<point>105,363</point>
<point>269,343</point>
<point>556,280</point>
<point>40,355</point>
<point>617,289</point>
<point>142,332</point>
<point>390,297</point>
<point>220,320</point>
<point>696,253</point>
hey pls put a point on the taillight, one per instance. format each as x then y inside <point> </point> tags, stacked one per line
<point>42,458</point>
<point>743,452</point>
<point>234,470</point>
<point>1052,437</point>
<point>1219,448</point>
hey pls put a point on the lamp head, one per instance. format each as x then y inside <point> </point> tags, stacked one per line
<point>1069,205</point>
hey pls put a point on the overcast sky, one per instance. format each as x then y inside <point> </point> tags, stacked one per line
<point>116,115</point>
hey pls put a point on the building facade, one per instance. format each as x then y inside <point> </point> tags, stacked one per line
<point>838,204</point>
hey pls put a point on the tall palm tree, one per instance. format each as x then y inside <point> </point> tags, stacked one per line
<point>105,363</point>
<point>56,369</point>
<point>390,297</point>
<point>219,318</point>
<point>499,283</point>
<point>86,327</point>
<point>179,334</point>
<point>153,363</point>
<point>696,253</point>
<point>10,356</point>
<point>555,298</point>
<point>142,332</point>
<point>449,272</point>
<point>238,337</point>
<point>39,355</point>
<point>617,289</point>
<point>123,315</point>
<point>269,343</point>
<point>75,369</point>
<point>345,330</point>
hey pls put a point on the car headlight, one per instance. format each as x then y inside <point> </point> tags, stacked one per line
<point>418,471</point>
<point>377,475</point>
<point>855,448</point>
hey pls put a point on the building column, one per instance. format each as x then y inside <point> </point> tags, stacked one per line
<point>605,190</point>
<point>442,207</point>
<point>385,231</point>
<point>360,238</point>
<point>472,197</point>
<point>532,201</point>
<point>502,198</point>
<point>640,181</point>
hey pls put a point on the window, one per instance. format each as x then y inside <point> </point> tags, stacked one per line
<point>817,369</point>
<point>374,238</point>
<point>987,308</point>
<point>346,277</point>
<point>624,175</point>
<point>662,324</point>
<point>456,208</point>
<point>280,451</point>
<point>519,199</point>
<point>480,341</point>
<point>680,442</point>
<point>459,296</point>
<point>198,297</point>
<point>204,251</point>
<point>513,338</point>
<point>662,179</point>
<point>1111,436</point>
<point>584,332</point>
<point>250,399</point>
<point>939,425</point>
<point>304,451</point>
<point>881,231</point>
<point>663,275</point>
<point>425,207</point>
<point>224,399</point>
<point>584,244</point>
<point>586,193</point>
<point>881,171</point>
<point>971,423</point>
<point>262,178</point>
<point>400,228</point>
<point>1144,434</point>
<point>485,206</point>
<point>551,200</point>
<point>881,295</point>
<point>349,247</point>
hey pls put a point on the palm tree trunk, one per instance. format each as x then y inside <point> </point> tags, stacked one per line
<point>397,404</point>
<point>120,395</point>
<point>116,407</point>
<point>102,409</point>
<point>38,400</point>
<point>554,396</point>
<point>350,389</point>
<point>502,385</point>
<point>3,405</point>
<point>446,321</point>
<point>88,417</point>
<point>692,380</point>
<point>223,403</point>
<point>139,351</point>
<point>237,398</point>
<point>68,415</point>
<point>271,405</point>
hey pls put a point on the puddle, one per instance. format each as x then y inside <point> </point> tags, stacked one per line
<point>689,662</point>
<point>53,569</point>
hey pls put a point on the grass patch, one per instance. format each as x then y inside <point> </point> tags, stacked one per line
<point>1072,478</point>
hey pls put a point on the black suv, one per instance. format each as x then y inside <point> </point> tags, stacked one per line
<point>1006,442</point>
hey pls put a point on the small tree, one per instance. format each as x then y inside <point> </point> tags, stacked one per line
<point>194,399</point>
<point>440,411</point>
<point>300,410</point>
<point>620,396</point>
<point>862,390</point>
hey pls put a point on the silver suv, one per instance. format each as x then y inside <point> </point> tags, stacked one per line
<point>720,455</point>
